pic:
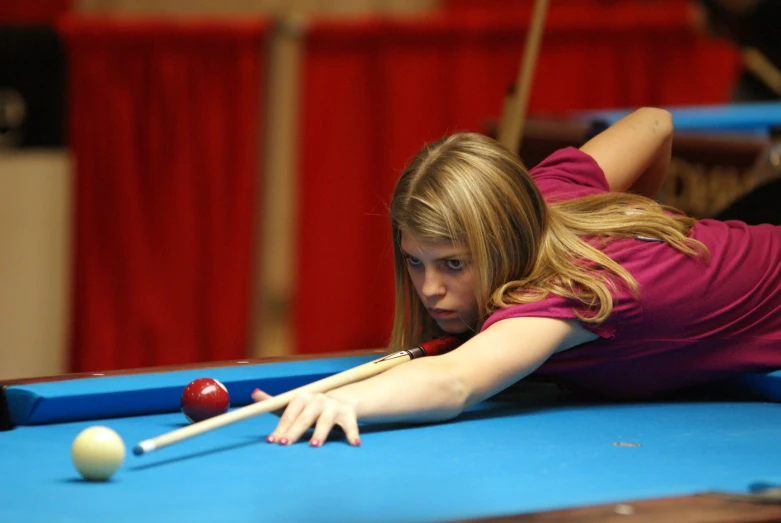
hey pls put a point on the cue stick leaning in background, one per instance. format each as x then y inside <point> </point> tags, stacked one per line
<point>515,104</point>
<point>361,372</point>
<point>759,64</point>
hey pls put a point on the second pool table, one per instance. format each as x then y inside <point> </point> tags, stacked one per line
<point>760,119</point>
<point>719,153</point>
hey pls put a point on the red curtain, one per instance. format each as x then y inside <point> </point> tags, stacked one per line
<point>375,90</point>
<point>164,130</point>
<point>15,11</point>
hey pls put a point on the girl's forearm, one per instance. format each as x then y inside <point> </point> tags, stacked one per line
<point>437,388</point>
<point>647,133</point>
<point>634,152</point>
<point>419,390</point>
<point>649,183</point>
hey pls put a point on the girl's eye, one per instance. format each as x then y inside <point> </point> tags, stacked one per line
<point>412,262</point>
<point>455,265</point>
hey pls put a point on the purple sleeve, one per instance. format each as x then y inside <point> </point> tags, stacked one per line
<point>569,173</point>
<point>550,307</point>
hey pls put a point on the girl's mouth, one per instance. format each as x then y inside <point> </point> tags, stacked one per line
<point>441,313</point>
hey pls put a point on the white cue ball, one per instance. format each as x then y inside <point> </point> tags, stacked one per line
<point>97,453</point>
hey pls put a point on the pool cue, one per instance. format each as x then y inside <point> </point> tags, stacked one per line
<point>516,102</point>
<point>759,64</point>
<point>359,373</point>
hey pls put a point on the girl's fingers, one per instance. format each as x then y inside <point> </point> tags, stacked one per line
<point>323,427</point>
<point>308,410</point>
<point>289,417</point>
<point>345,419</point>
<point>349,425</point>
<point>306,418</point>
<point>259,395</point>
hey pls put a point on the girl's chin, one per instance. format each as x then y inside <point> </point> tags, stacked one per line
<point>453,327</point>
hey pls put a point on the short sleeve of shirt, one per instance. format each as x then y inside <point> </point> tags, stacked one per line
<point>551,307</point>
<point>569,173</point>
<point>566,174</point>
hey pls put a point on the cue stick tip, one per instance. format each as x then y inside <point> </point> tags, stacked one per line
<point>144,447</point>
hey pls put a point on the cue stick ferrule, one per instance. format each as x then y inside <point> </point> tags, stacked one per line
<point>401,354</point>
<point>429,348</point>
<point>416,352</point>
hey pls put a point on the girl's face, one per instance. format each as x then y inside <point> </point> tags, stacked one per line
<point>444,279</point>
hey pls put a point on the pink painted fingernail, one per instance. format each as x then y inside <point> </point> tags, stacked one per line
<point>283,441</point>
<point>357,442</point>
<point>271,438</point>
<point>314,442</point>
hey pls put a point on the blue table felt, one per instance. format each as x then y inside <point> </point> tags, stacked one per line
<point>498,458</point>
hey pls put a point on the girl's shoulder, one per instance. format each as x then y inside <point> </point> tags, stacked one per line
<point>569,173</point>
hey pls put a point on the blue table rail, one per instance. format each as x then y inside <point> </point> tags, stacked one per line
<point>750,119</point>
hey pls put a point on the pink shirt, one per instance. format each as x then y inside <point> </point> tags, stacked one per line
<point>693,322</point>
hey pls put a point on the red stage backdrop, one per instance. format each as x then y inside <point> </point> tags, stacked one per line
<point>164,128</point>
<point>376,90</point>
<point>15,11</point>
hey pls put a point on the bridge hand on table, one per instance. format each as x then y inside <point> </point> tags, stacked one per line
<point>307,410</point>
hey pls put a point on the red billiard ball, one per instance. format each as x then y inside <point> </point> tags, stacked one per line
<point>204,398</point>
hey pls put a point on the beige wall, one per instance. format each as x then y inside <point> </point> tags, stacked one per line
<point>271,326</point>
<point>35,215</point>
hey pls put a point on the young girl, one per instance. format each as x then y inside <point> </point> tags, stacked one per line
<point>571,271</point>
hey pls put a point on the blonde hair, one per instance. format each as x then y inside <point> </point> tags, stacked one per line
<point>467,190</point>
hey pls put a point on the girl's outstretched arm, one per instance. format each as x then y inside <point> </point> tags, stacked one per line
<point>434,388</point>
<point>634,152</point>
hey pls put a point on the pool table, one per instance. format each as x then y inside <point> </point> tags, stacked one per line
<point>719,153</point>
<point>533,453</point>
<point>759,119</point>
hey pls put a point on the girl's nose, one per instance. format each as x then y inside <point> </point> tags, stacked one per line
<point>433,285</point>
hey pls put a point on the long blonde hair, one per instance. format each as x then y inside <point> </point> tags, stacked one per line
<point>467,190</point>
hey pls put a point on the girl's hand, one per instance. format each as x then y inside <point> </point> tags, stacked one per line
<point>259,395</point>
<point>323,411</point>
